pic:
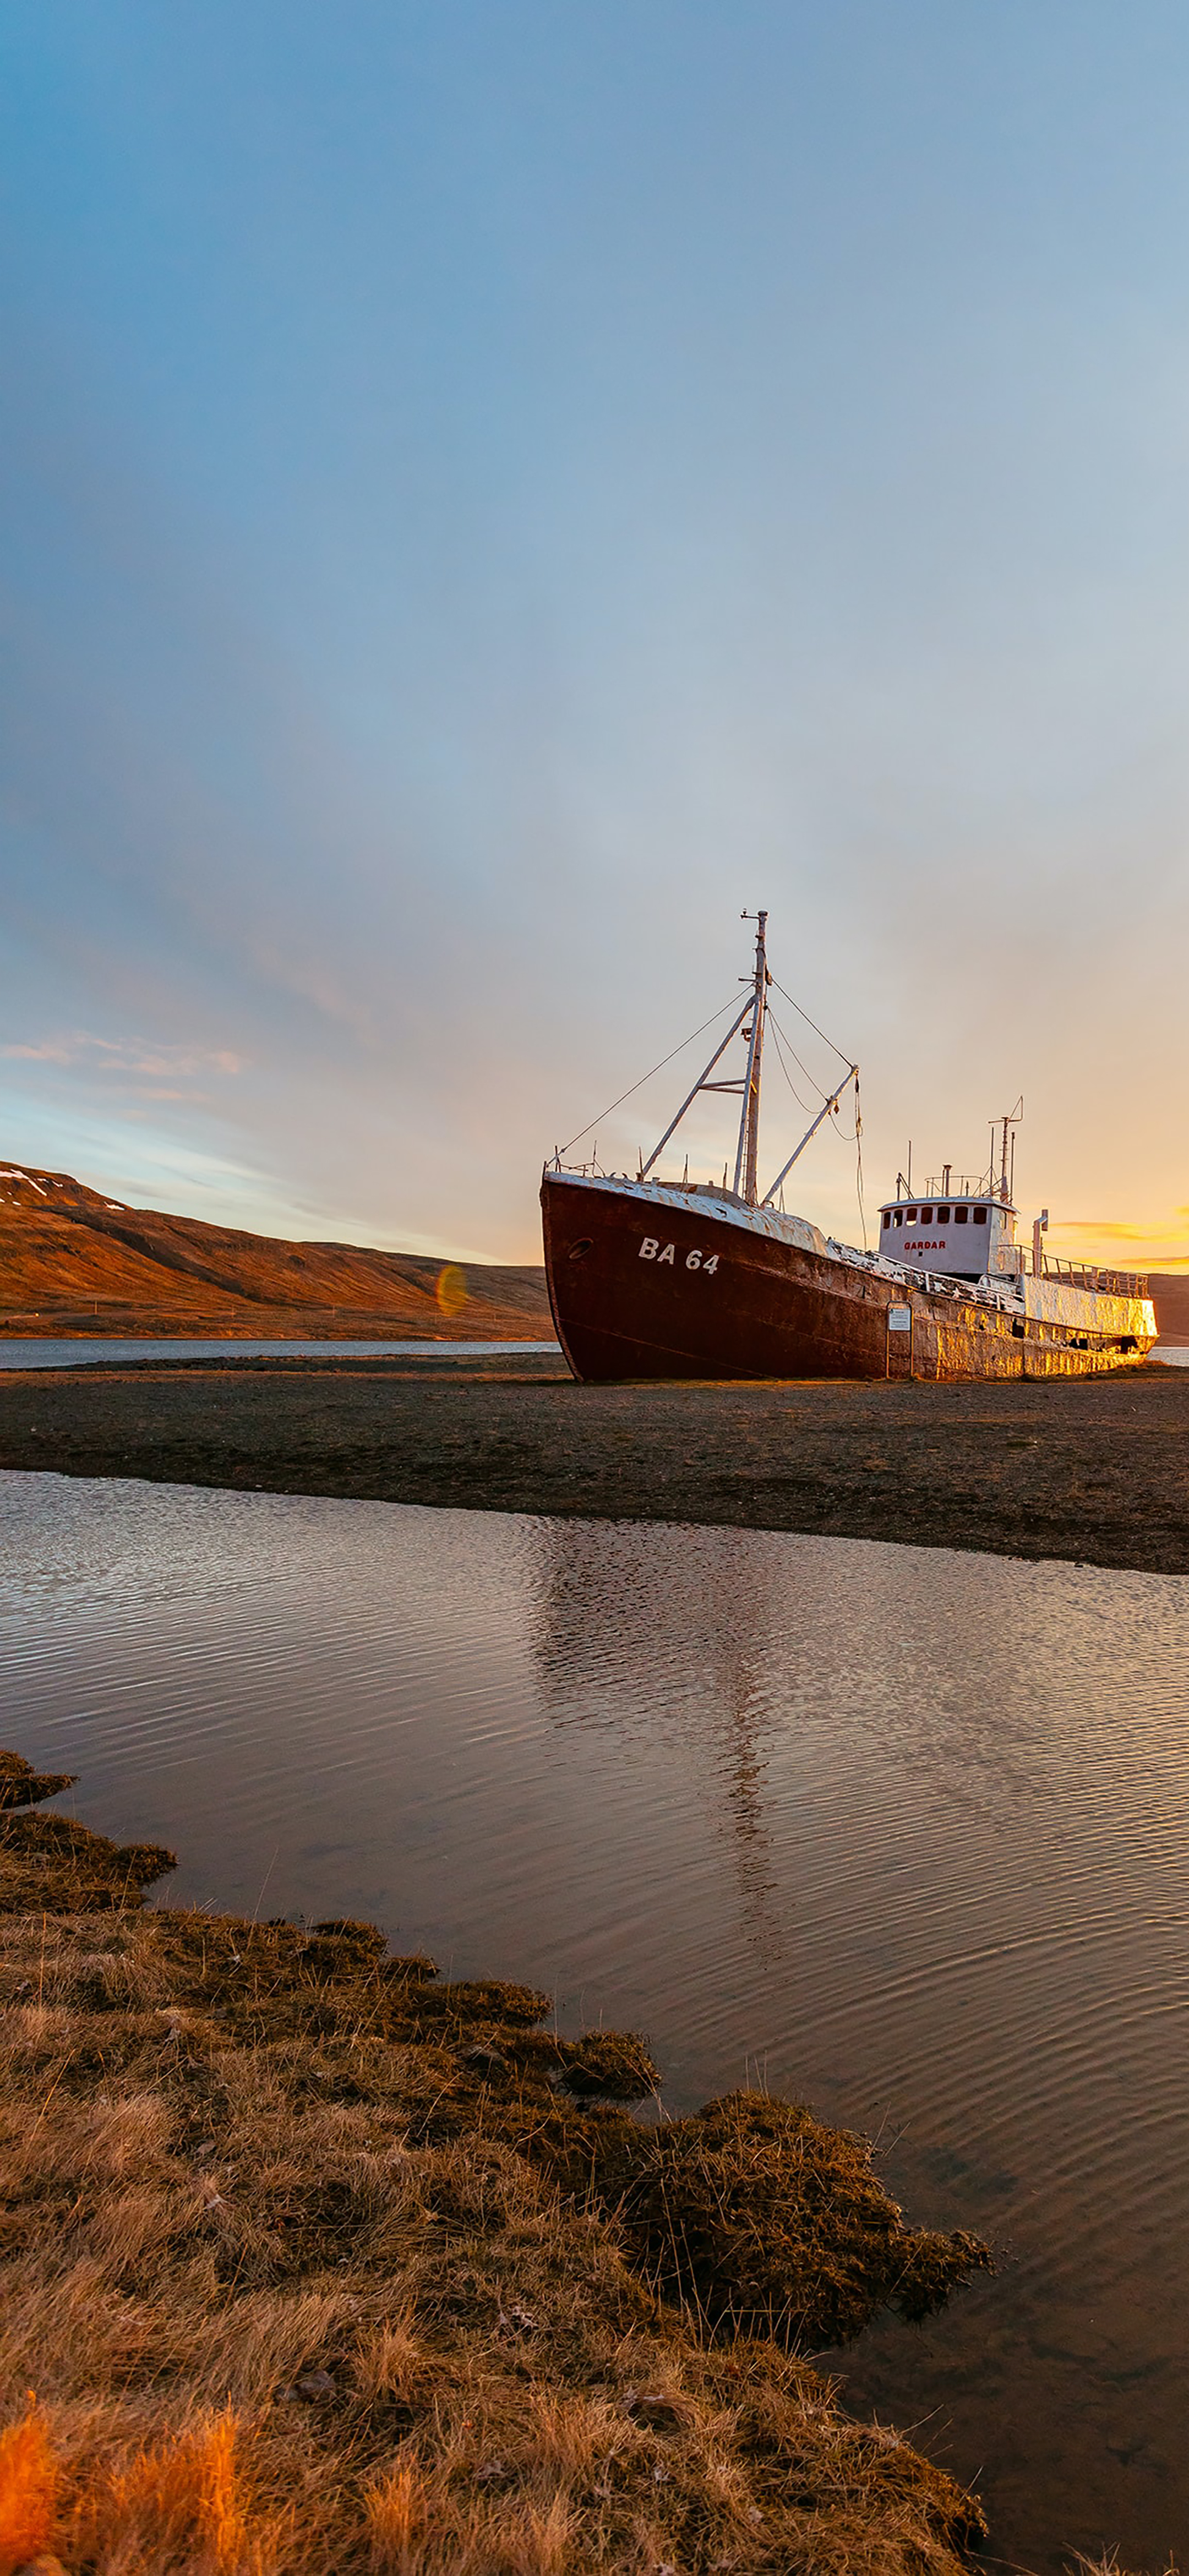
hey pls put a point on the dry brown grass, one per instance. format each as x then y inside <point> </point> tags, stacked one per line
<point>760,2218</point>
<point>1107,2564</point>
<point>315,2268</point>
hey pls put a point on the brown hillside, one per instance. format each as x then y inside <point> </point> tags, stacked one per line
<point>73,1262</point>
<point>1170,1297</point>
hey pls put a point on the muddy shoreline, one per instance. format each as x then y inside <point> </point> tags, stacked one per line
<point>1096,1470</point>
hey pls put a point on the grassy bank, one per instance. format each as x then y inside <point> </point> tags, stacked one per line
<point>314,2262</point>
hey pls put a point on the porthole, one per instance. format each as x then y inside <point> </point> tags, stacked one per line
<point>579,1250</point>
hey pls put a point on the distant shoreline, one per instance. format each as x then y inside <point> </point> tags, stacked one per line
<point>149,1349</point>
<point>299,1333</point>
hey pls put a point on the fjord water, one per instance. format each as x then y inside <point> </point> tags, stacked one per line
<point>98,1351</point>
<point>902,1832</point>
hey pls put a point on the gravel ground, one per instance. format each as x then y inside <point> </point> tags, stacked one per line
<point>1095,1469</point>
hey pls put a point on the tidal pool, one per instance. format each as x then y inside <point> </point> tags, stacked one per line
<point>903,1832</point>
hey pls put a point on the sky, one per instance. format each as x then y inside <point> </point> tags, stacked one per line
<point>493,493</point>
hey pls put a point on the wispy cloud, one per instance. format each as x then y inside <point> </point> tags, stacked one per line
<point>131,1055</point>
<point>1163,1244</point>
<point>1107,1231</point>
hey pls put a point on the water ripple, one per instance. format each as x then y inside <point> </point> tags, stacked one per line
<point>900,1831</point>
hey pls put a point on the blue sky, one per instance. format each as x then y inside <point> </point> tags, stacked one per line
<point>491,491</point>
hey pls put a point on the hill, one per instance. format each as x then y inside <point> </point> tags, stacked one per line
<point>74,1262</point>
<point>1171,1299</point>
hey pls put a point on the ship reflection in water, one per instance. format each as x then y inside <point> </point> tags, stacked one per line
<point>904,1832</point>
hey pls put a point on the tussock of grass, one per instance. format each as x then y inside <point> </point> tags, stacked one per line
<point>319,2263</point>
<point>22,1786</point>
<point>611,2065</point>
<point>757,2214</point>
<point>52,1862</point>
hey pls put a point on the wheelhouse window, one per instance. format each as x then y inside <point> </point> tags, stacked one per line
<point>980,1216</point>
<point>961,1216</point>
<point>911,1215</point>
<point>943,1216</point>
<point>897,1216</point>
<point>926,1216</point>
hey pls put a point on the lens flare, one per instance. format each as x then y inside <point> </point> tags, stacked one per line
<point>452,1291</point>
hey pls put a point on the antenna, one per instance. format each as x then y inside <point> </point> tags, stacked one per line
<point>1009,1123</point>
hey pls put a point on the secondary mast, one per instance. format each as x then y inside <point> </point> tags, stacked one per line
<point>749,1123</point>
<point>1007,1181</point>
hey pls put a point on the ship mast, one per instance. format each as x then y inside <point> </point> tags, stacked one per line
<point>747,1154</point>
<point>749,1123</point>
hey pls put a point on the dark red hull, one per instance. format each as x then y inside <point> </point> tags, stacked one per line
<point>717,1298</point>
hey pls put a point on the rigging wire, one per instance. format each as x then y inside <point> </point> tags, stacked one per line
<point>857,1141</point>
<point>818,1033</point>
<point>802,1069</point>
<point>859,1160</point>
<point>647,1077</point>
<point>776,1037</point>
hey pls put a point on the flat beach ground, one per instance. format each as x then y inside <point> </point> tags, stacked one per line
<point>1095,1469</point>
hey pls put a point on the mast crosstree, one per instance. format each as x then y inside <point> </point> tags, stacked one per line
<point>746,1184</point>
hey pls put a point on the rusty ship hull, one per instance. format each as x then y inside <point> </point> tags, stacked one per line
<point>653,1280</point>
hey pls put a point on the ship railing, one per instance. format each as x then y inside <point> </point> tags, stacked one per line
<point>1084,1274</point>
